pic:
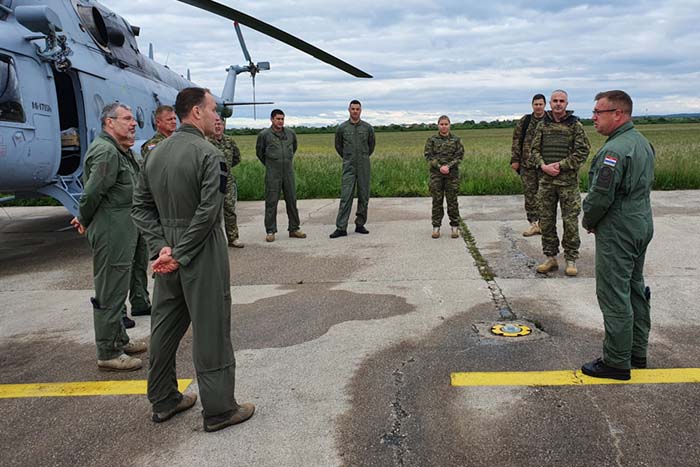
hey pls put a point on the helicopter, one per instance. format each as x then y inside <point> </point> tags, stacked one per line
<point>61,61</point>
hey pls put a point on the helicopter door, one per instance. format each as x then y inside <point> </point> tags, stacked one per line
<point>70,121</point>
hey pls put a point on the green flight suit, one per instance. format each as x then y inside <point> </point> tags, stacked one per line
<point>523,134</point>
<point>354,142</point>
<point>444,150</point>
<point>564,142</point>
<point>276,152</point>
<point>232,154</point>
<point>178,202</point>
<point>618,209</point>
<point>108,183</point>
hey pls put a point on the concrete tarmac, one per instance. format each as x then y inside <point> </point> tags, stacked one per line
<point>346,346</point>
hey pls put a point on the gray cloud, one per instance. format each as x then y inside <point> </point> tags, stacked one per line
<point>477,62</point>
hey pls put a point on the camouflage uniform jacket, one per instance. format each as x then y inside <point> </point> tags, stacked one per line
<point>148,146</point>
<point>564,142</point>
<point>228,148</point>
<point>444,150</point>
<point>521,153</point>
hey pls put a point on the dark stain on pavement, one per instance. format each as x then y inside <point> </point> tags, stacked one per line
<point>307,313</point>
<point>405,413</point>
<point>86,430</point>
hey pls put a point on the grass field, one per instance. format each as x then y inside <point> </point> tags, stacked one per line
<point>399,169</point>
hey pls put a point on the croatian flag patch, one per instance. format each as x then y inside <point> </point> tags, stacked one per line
<point>610,160</point>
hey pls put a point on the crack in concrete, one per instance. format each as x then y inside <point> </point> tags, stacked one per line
<point>396,439</point>
<point>520,258</point>
<point>499,299</point>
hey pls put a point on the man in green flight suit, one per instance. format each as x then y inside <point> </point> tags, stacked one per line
<point>559,149</point>
<point>618,211</point>
<point>229,149</point>
<point>178,206</point>
<point>275,148</point>
<point>108,180</point>
<point>521,162</point>
<point>354,143</point>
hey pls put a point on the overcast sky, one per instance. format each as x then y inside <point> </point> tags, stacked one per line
<point>469,60</point>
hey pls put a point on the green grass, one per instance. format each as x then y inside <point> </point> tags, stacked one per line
<point>399,169</point>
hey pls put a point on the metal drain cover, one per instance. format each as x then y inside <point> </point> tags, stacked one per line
<point>510,330</point>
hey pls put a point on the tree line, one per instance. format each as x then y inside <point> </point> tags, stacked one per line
<point>465,125</point>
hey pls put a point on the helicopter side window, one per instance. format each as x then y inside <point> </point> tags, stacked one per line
<point>11,109</point>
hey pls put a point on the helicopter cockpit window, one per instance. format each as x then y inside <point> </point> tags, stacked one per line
<point>11,109</point>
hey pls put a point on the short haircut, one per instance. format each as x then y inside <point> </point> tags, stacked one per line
<point>444,117</point>
<point>162,109</point>
<point>276,112</point>
<point>355,101</point>
<point>110,111</point>
<point>561,91</point>
<point>617,98</point>
<point>537,97</point>
<point>187,99</point>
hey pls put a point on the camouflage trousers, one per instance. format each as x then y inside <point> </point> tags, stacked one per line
<point>531,182</point>
<point>569,198</point>
<point>441,188</point>
<point>230,218</point>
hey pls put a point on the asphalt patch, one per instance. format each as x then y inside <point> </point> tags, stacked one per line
<point>405,413</point>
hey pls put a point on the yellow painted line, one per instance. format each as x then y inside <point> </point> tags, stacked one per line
<point>80,388</point>
<point>572,378</point>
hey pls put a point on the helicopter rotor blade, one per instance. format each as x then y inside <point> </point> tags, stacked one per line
<point>276,33</point>
<point>241,41</point>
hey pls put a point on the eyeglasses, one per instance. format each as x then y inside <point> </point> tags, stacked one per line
<point>126,119</point>
<point>598,112</point>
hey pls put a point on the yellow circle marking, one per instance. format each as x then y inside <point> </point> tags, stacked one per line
<point>498,330</point>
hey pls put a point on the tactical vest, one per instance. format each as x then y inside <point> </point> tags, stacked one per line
<point>557,139</point>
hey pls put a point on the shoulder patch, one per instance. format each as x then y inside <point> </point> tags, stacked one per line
<point>605,177</point>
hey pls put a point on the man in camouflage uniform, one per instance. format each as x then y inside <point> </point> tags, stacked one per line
<point>108,180</point>
<point>229,149</point>
<point>166,123</point>
<point>354,143</point>
<point>178,205</point>
<point>559,149</point>
<point>275,148</point>
<point>444,152</point>
<point>618,211</point>
<point>521,162</point>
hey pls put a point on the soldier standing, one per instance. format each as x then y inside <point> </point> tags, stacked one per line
<point>618,211</point>
<point>354,143</point>
<point>232,154</point>
<point>275,148</point>
<point>521,162</point>
<point>108,180</point>
<point>166,123</point>
<point>559,149</point>
<point>444,152</point>
<point>178,206</point>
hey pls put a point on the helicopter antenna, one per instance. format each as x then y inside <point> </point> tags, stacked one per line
<point>150,50</point>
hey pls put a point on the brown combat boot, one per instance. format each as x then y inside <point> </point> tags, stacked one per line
<point>270,237</point>
<point>534,229</point>
<point>455,232</point>
<point>120,363</point>
<point>235,243</point>
<point>571,268</point>
<point>240,415</point>
<point>133,348</point>
<point>296,234</point>
<point>549,265</point>
<point>436,232</point>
